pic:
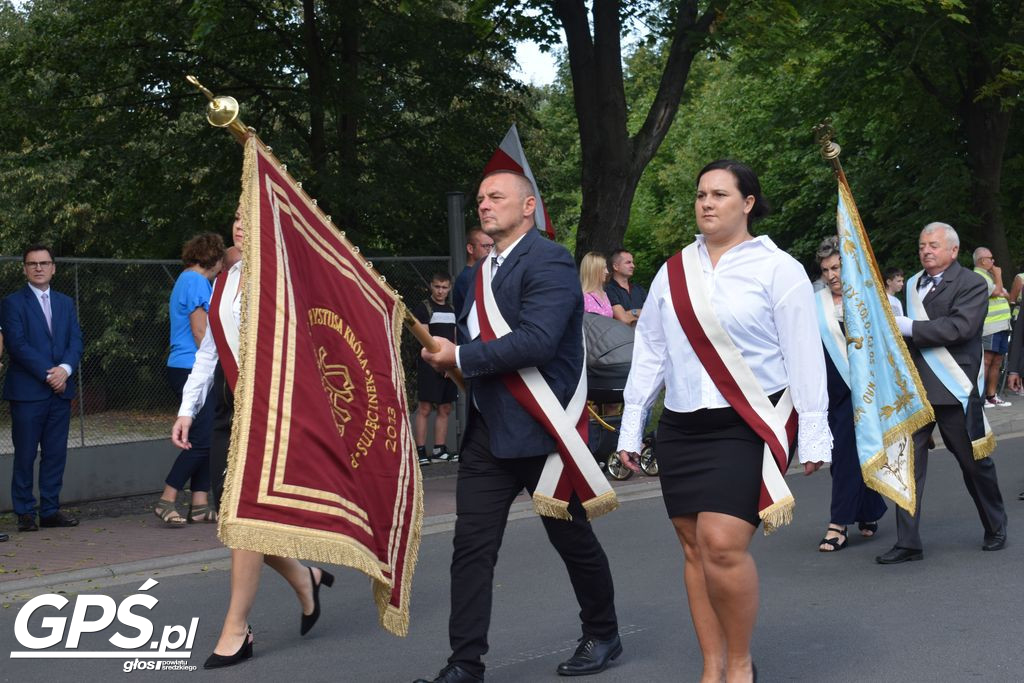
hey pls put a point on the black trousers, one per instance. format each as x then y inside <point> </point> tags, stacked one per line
<point>486,488</point>
<point>222,416</point>
<point>979,476</point>
<point>193,464</point>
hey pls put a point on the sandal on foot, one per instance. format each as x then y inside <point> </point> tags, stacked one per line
<point>168,514</point>
<point>201,513</point>
<point>837,543</point>
<point>868,529</point>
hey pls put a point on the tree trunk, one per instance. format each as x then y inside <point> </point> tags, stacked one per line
<point>317,93</point>
<point>986,125</point>
<point>612,160</point>
<point>987,128</point>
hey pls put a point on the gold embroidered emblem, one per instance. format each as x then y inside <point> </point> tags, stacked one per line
<point>337,382</point>
<point>350,385</point>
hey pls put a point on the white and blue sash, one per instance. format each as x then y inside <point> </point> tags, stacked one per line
<point>832,336</point>
<point>953,377</point>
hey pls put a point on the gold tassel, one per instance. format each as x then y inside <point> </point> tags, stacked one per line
<point>546,506</point>
<point>984,446</point>
<point>601,505</point>
<point>777,514</point>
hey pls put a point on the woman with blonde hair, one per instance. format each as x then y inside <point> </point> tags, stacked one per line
<point>593,275</point>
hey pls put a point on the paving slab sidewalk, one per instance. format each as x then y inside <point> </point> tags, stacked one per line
<point>133,539</point>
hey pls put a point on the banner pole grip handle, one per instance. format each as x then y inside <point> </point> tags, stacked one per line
<point>422,334</point>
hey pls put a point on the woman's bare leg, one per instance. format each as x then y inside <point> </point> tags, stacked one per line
<point>245,580</point>
<point>710,636</point>
<point>732,586</point>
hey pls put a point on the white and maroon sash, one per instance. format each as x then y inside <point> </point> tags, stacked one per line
<point>572,468</point>
<point>222,323</point>
<point>733,378</point>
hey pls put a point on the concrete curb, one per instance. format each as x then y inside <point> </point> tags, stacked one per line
<point>113,570</point>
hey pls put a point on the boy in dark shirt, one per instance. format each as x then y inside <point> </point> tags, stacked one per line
<point>432,388</point>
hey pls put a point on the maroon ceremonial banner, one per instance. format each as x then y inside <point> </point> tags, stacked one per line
<point>322,465</point>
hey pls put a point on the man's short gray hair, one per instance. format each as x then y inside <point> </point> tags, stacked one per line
<point>952,239</point>
<point>980,253</point>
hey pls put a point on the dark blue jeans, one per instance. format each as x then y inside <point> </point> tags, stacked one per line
<point>193,464</point>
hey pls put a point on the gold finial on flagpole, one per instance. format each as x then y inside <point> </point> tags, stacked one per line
<point>222,111</point>
<point>823,134</point>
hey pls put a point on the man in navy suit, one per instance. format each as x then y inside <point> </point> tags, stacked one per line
<point>537,290</point>
<point>44,342</point>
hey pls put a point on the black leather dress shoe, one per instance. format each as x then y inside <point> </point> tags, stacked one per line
<point>27,523</point>
<point>898,555</point>
<point>995,541</point>
<point>592,656</point>
<point>57,519</point>
<point>453,673</point>
<point>3,537</point>
<point>1020,496</point>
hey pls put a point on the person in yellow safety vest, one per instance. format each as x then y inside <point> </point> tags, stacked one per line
<point>996,332</point>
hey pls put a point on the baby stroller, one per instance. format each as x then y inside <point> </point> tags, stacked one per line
<point>609,354</point>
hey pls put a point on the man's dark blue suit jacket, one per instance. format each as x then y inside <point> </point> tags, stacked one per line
<point>33,350</point>
<point>537,289</point>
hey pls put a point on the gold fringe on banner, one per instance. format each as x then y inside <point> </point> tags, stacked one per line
<point>906,429</point>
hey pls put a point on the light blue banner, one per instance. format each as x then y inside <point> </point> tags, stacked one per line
<point>889,403</point>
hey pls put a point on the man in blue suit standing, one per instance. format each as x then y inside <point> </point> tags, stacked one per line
<point>44,342</point>
<point>537,293</point>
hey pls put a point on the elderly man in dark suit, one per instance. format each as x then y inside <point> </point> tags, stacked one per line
<point>537,291</point>
<point>44,342</point>
<point>955,302</point>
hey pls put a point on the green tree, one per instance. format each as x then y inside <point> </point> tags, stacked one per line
<point>110,155</point>
<point>614,156</point>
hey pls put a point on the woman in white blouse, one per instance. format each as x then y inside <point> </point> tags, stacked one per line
<point>236,639</point>
<point>709,458</point>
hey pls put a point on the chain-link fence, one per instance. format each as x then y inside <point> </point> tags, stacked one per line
<point>122,308</point>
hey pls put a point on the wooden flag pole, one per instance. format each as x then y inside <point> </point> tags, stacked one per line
<point>222,112</point>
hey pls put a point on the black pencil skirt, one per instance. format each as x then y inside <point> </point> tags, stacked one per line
<point>709,461</point>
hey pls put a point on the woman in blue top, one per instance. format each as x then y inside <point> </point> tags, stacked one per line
<point>190,302</point>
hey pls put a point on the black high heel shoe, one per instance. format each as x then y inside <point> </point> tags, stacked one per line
<point>308,620</point>
<point>216,661</point>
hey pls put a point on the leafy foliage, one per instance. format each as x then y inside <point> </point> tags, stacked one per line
<point>107,153</point>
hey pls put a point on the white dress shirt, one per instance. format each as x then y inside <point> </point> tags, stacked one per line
<point>765,302</point>
<point>199,381</point>
<point>906,324</point>
<point>472,321</point>
<point>897,307</point>
<point>39,297</point>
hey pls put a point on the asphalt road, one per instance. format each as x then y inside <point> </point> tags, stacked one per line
<point>956,616</point>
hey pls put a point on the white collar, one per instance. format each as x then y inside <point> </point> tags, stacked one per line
<point>504,255</point>
<point>39,292</point>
